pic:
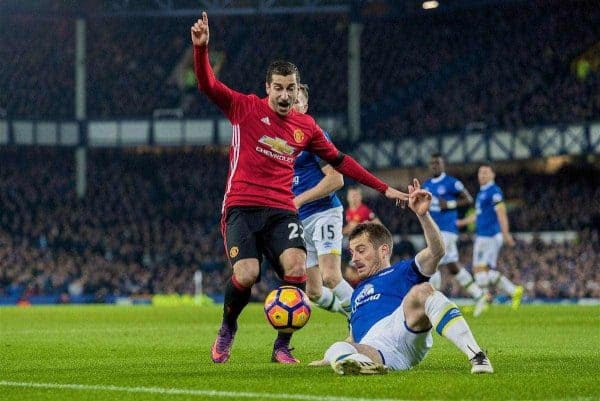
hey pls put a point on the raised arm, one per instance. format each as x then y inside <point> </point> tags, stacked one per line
<point>419,201</point>
<point>350,167</point>
<point>332,181</point>
<point>217,92</point>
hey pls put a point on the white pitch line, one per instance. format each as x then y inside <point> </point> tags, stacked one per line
<point>211,393</point>
<point>180,391</point>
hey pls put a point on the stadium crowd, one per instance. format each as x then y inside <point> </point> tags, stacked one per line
<point>507,77</point>
<point>151,219</point>
<point>430,80</point>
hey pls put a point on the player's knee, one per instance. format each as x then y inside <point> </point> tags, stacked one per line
<point>246,278</point>
<point>419,294</point>
<point>246,272</point>
<point>293,261</point>
<point>331,278</point>
<point>295,270</point>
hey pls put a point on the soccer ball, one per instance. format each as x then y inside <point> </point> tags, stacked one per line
<point>287,309</point>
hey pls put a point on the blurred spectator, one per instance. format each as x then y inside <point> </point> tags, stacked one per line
<point>150,220</point>
<point>426,74</point>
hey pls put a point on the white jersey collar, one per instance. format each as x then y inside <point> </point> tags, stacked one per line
<point>435,180</point>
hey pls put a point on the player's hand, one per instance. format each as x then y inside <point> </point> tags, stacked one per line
<point>508,239</point>
<point>400,197</point>
<point>321,362</point>
<point>297,203</point>
<point>460,223</point>
<point>443,204</point>
<point>200,32</point>
<point>419,199</point>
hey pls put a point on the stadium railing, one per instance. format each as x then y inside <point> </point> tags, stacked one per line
<point>459,147</point>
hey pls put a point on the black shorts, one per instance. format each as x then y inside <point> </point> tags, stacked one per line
<point>254,231</point>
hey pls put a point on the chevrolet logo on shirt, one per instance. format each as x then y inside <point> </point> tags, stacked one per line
<point>277,145</point>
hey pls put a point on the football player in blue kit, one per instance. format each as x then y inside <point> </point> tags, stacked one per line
<point>394,308</point>
<point>492,230</point>
<point>448,194</point>
<point>321,212</point>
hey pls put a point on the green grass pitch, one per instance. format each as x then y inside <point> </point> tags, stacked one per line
<point>163,353</point>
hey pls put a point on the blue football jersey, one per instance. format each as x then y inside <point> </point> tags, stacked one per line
<point>307,174</point>
<point>380,295</point>
<point>448,188</point>
<point>489,196</point>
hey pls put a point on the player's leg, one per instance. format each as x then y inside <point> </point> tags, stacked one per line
<point>285,249</point>
<point>451,262</point>
<point>293,263</point>
<point>314,282</point>
<point>349,358</point>
<point>334,283</point>
<point>328,243</point>
<point>480,273</point>
<point>240,245</point>
<point>321,296</point>
<point>436,279</point>
<point>425,307</point>
<point>498,279</point>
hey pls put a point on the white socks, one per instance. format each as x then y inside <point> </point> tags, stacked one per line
<point>465,279</point>
<point>343,292</point>
<point>339,349</point>
<point>449,322</point>
<point>328,301</point>
<point>436,280</point>
<point>502,282</point>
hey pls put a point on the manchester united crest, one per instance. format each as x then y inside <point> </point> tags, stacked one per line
<point>298,135</point>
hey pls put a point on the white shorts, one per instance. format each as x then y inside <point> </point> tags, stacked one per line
<point>451,255</point>
<point>400,348</point>
<point>486,250</point>
<point>323,234</point>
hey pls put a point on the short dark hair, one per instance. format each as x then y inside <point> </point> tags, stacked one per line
<point>303,88</point>
<point>487,163</point>
<point>378,234</point>
<point>282,67</point>
<point>436,155</point>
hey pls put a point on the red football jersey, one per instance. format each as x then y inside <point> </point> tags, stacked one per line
<point>265,144</point>
<point>360,214</point>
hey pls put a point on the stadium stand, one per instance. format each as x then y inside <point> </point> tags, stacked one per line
<point>37,67</point>
<point>440,80</point>
<point>485,66</point>
<point>151,219</point>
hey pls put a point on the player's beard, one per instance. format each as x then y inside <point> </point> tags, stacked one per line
<point>377,264</point>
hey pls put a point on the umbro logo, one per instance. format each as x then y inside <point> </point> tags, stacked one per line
<point>266,120</point>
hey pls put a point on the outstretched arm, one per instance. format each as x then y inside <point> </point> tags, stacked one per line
<point>350,167</point>
<point>332,181</point>
<point>218,92</point>
<point>419,201</point>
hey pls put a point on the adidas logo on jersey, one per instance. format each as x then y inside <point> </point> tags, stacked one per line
<point>266,120</point>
